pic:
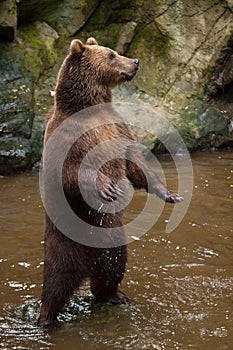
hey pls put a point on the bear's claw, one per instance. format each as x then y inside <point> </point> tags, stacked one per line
<point>111,192</point>
<point>173,198</point>
<point>107,189</point>
<point>119,298</point>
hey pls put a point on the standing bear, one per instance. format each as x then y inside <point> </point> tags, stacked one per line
<point>86,78</point>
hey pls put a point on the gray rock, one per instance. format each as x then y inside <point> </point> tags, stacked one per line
<point>15,154</point>
<point>21,64</point>
<point>205,127</point>
<point>125,37</point>
<point>8,19</point>
<point>185,52</point>
<point>65,16</point>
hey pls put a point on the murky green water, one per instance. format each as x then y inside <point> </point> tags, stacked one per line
<point>181,284</point>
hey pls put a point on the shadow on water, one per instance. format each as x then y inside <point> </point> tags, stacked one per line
<point>181,284</point>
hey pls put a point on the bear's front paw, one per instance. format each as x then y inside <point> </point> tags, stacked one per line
<point>107,189</point>
<point>173,198</point>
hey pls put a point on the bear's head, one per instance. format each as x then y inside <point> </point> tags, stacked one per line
<point>103,65</point>
<point>88,74</point>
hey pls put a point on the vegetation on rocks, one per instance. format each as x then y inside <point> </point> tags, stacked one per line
<point>185,49</point>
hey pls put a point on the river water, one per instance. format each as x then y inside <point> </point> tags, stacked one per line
<point>181,283</point>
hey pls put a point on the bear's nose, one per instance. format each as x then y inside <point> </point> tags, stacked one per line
<point>136,62</point>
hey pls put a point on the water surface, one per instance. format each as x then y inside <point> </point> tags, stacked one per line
<point>181,284</point>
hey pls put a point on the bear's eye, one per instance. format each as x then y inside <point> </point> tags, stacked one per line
<point>111,56</point>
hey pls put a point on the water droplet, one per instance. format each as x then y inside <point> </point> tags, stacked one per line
<point>24,264</point>
<point>101,206</point>
<point>135,238</point>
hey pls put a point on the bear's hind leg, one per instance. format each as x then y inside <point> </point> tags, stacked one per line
<point>108,273</point>
<point>107,294</point>
<point>57,289</point>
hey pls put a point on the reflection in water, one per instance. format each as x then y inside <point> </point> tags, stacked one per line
<point>181,284</point>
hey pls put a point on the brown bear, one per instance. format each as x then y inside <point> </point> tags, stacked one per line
<point>86,78</point>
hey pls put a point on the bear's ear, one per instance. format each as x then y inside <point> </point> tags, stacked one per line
<point>91,41</point>
<point>77,46</point>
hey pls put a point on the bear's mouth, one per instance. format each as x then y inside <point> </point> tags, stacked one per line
<point>128,75</point>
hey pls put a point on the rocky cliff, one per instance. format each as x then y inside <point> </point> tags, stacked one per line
<point>185,49</point>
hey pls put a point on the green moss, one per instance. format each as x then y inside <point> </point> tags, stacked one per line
<point>106,37</point>
<point>100,18</point>
<point>152,39</point>
<point>152,47</point>
<point>14,8</point>
<point>39,51</point>
<point>22,64</point>
<point>32,64</point>
<point>202,127</point>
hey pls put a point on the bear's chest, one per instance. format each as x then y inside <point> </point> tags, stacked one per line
<point>106,151</point>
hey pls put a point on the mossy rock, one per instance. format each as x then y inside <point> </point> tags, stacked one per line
<point>151,46</point>
<point>204,127</point>
<point>37,137</point>
<point>21,65</point>
<point>15,155</point>
<point>66,17</point>
<point>20,126</point>
<point>105,37</point>
<point>39,40</point>
<point>8,19</point>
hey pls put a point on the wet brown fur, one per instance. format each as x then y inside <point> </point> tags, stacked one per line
<point>86,78</point>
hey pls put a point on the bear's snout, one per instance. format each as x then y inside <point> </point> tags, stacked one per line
<point>136,63</point>
<point>129,71</point>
